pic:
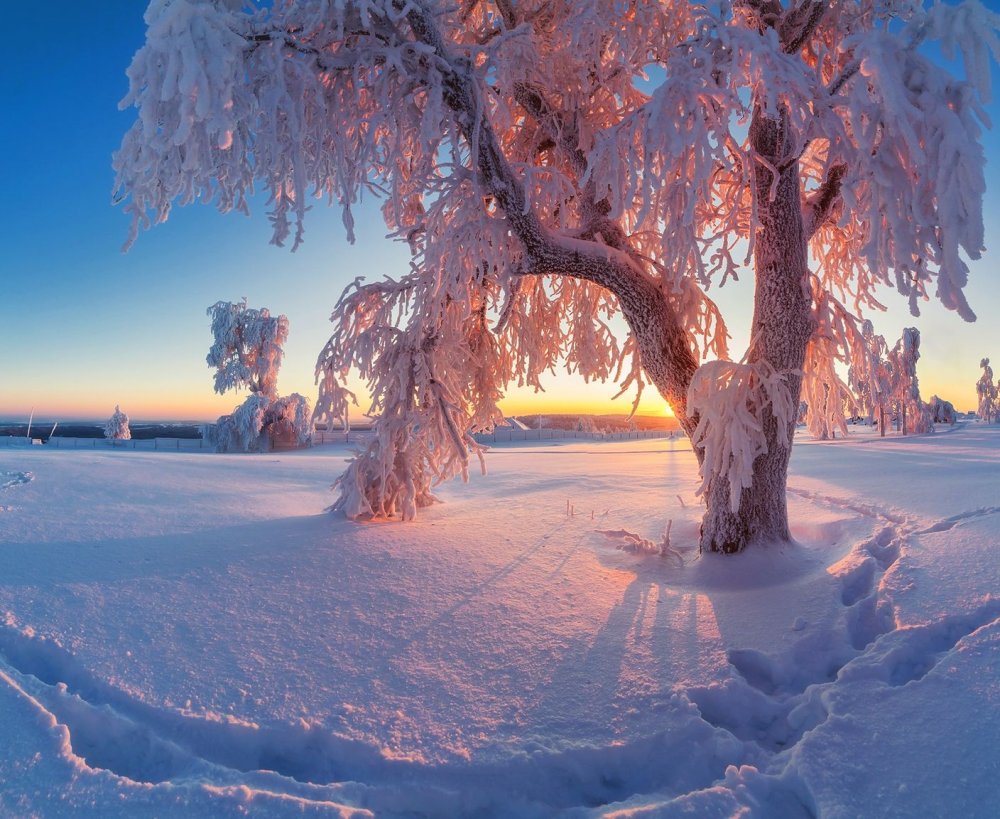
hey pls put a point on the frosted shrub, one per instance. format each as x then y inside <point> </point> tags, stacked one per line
<point>289,417</point>
<point>241,431</point>
<point>116,428</point>
<point>941,411</point>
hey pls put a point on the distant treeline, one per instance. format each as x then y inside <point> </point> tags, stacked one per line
<point>605,423</point>
<point>41,429</point>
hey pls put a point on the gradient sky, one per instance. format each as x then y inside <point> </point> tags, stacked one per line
<point>84,327</point>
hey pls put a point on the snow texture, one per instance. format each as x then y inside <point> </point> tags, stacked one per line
<point>181,634</point>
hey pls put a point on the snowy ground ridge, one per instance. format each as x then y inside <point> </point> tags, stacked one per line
<point>105,729</point>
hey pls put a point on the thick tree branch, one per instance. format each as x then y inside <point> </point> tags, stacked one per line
<point>562,130</point>
<point>794,25</point>
<point>663,341</point>
<point>798,24</point>
<point>820,205</point>
<point>507,13</point>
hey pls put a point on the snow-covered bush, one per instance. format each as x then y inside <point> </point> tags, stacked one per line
<point>116,428</point>
<point>942,412</point>
<point>241,431</point>
<point>289,418</point>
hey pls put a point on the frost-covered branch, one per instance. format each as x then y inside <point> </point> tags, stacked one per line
<point>731,400</point>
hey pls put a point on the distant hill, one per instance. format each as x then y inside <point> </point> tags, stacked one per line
<point>140,431</point>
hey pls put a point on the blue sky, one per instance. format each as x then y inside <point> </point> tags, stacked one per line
<point>84,327</point>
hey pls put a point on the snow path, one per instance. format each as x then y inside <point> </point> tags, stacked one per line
<point>499,657</point>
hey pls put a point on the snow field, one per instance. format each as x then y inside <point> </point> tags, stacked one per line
<point>187,634</point>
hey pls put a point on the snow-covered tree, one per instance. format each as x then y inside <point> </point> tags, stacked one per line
<point>911,412</point>
<point>246,353</point>
<point>116,428</point>
<point>869,375</point>
<point>553,163</point>
<point>246,347</point>
<point>987,392</point>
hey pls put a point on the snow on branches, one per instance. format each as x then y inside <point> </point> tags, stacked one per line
<point>834,339</point>
<point>731,400</point>
<point>905,386</point>
<point>246,349</point>
<point>116,428</point>
<point>869,375</point>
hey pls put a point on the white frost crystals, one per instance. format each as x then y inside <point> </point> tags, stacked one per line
<point>731,400</point>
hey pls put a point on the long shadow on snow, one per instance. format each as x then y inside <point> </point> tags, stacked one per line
<point>165,556</point>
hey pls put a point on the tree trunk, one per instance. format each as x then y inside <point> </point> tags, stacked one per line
<point>782,325</point>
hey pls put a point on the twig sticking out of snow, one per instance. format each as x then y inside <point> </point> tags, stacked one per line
<point>628,541</point>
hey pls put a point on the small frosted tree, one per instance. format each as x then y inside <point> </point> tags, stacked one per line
<point>911,413</point>
<point>246,348</point>
<point>543,187</point>
<point>116,428</point>
<point>987,392</point>
<point>869,375</point>
<point>290,418</point>
<point>247,353</point>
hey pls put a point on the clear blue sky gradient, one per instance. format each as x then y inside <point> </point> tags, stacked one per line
<point>83,327</point>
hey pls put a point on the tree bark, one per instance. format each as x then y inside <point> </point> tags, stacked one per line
<point>782,325</point>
